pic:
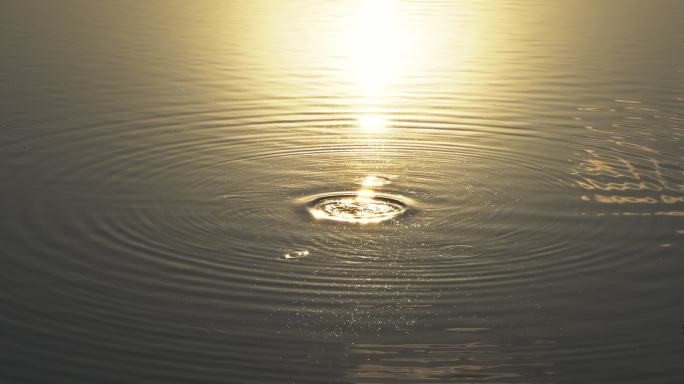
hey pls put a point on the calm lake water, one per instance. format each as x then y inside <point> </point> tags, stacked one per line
<point>342,192</point>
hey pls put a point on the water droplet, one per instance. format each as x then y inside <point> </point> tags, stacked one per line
<point>295,254</point>
<point>374,181</point>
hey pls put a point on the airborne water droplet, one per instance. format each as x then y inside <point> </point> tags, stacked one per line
<point>374,181</point>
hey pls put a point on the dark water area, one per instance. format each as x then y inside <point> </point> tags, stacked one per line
<point>342,192</point>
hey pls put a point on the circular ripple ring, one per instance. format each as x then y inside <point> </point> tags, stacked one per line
<point>357,207</point>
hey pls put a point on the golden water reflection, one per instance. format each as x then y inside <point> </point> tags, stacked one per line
<point>360,207</point>
<point>376,44</point>
<point>374,181</point>
<point>627,169</point>
<point>373,123</point>
<point>428,362</point>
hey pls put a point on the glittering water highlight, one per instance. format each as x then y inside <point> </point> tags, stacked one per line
<point>295,254</point>
<point>374,181</point>
<point>362,207</point>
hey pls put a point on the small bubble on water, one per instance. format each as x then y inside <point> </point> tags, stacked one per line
<point>295,254</point>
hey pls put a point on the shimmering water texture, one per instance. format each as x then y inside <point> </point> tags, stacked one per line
<point>362,191</point>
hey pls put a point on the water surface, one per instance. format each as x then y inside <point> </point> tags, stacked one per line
<point>506,181</point>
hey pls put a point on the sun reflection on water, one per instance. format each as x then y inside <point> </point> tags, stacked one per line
<point>375,41</point>
<point>372,124</point>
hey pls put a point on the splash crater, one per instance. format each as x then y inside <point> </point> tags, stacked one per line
<point>359,207</point>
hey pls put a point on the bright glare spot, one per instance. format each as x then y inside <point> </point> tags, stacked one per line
<point>372,124</point>
<point>374,181</point>
<point>376,40</point>
<point>365,193</point>
<point>317,214</point>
